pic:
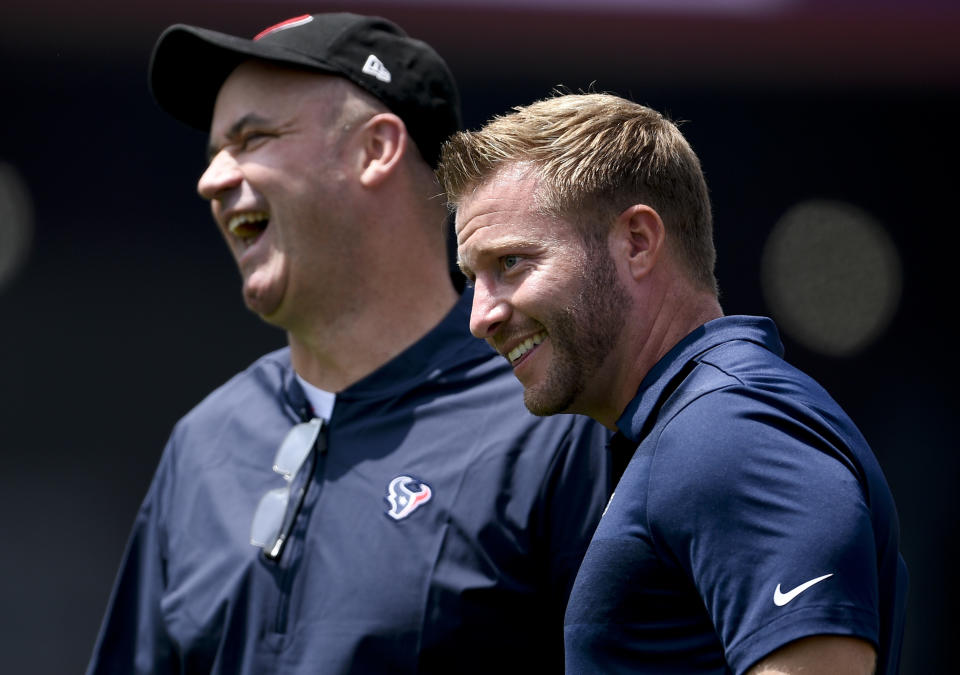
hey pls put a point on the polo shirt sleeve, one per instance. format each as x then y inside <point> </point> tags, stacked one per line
<point>132,637</point>
<point>760,504</point>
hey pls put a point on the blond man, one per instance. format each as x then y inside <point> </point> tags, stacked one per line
<point>752,530</point>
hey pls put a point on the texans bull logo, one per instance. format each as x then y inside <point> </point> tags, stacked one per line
<point>405,494</point>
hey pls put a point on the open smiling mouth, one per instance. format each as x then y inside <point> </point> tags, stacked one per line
<point>248,226</point>
<point>518,352</point>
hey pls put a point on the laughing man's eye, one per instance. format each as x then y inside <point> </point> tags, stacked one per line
<point>251,138</point>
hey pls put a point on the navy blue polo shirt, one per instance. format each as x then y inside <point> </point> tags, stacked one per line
<point>751,514</point>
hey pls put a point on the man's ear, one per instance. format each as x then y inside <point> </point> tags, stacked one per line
<point>641,238</point>
<point>384,144</point>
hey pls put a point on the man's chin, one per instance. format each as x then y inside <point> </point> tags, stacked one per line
<point>264,306</point>
<point>552,402</point>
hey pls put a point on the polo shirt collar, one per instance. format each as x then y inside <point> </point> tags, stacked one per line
<point>760,330</point>
<point>449,342</point>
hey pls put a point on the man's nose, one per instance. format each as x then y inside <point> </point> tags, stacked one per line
<point>223,173</point>
<point>490,309</point>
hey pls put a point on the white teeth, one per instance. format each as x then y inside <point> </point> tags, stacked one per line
<point>239,220</point>
<point>525,346</point>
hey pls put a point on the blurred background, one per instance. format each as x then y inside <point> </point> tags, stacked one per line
<point>826,129</point>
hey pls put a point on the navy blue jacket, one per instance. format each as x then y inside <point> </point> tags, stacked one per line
<point>473,580</point>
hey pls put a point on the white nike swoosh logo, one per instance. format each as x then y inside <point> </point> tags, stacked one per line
<point>780,599</point>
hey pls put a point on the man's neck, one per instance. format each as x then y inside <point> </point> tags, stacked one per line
<point>334,353</point>
<point>643,345</point>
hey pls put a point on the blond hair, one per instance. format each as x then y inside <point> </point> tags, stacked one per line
<point>594,155</point>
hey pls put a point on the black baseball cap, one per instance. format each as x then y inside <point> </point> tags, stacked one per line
<point>189,64</point>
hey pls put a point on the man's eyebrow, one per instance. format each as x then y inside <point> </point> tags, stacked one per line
<point>515,243</point>
<point>250,119</point>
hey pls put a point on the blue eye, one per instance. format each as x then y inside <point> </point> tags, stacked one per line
<point>509,261</point>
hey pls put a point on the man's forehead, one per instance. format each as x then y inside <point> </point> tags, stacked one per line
<point>511,188</point>
<point>255,75</point>
<point>520,175</point>
<point>263,90</point>
<point>504,220</point>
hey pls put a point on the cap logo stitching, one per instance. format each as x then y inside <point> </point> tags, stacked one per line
<point>375,67</point>
<point>283,25</point>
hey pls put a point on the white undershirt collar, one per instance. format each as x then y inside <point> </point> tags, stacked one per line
<point>320,400</point>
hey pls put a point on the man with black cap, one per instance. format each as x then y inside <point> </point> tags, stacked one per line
<point>372,498</point>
